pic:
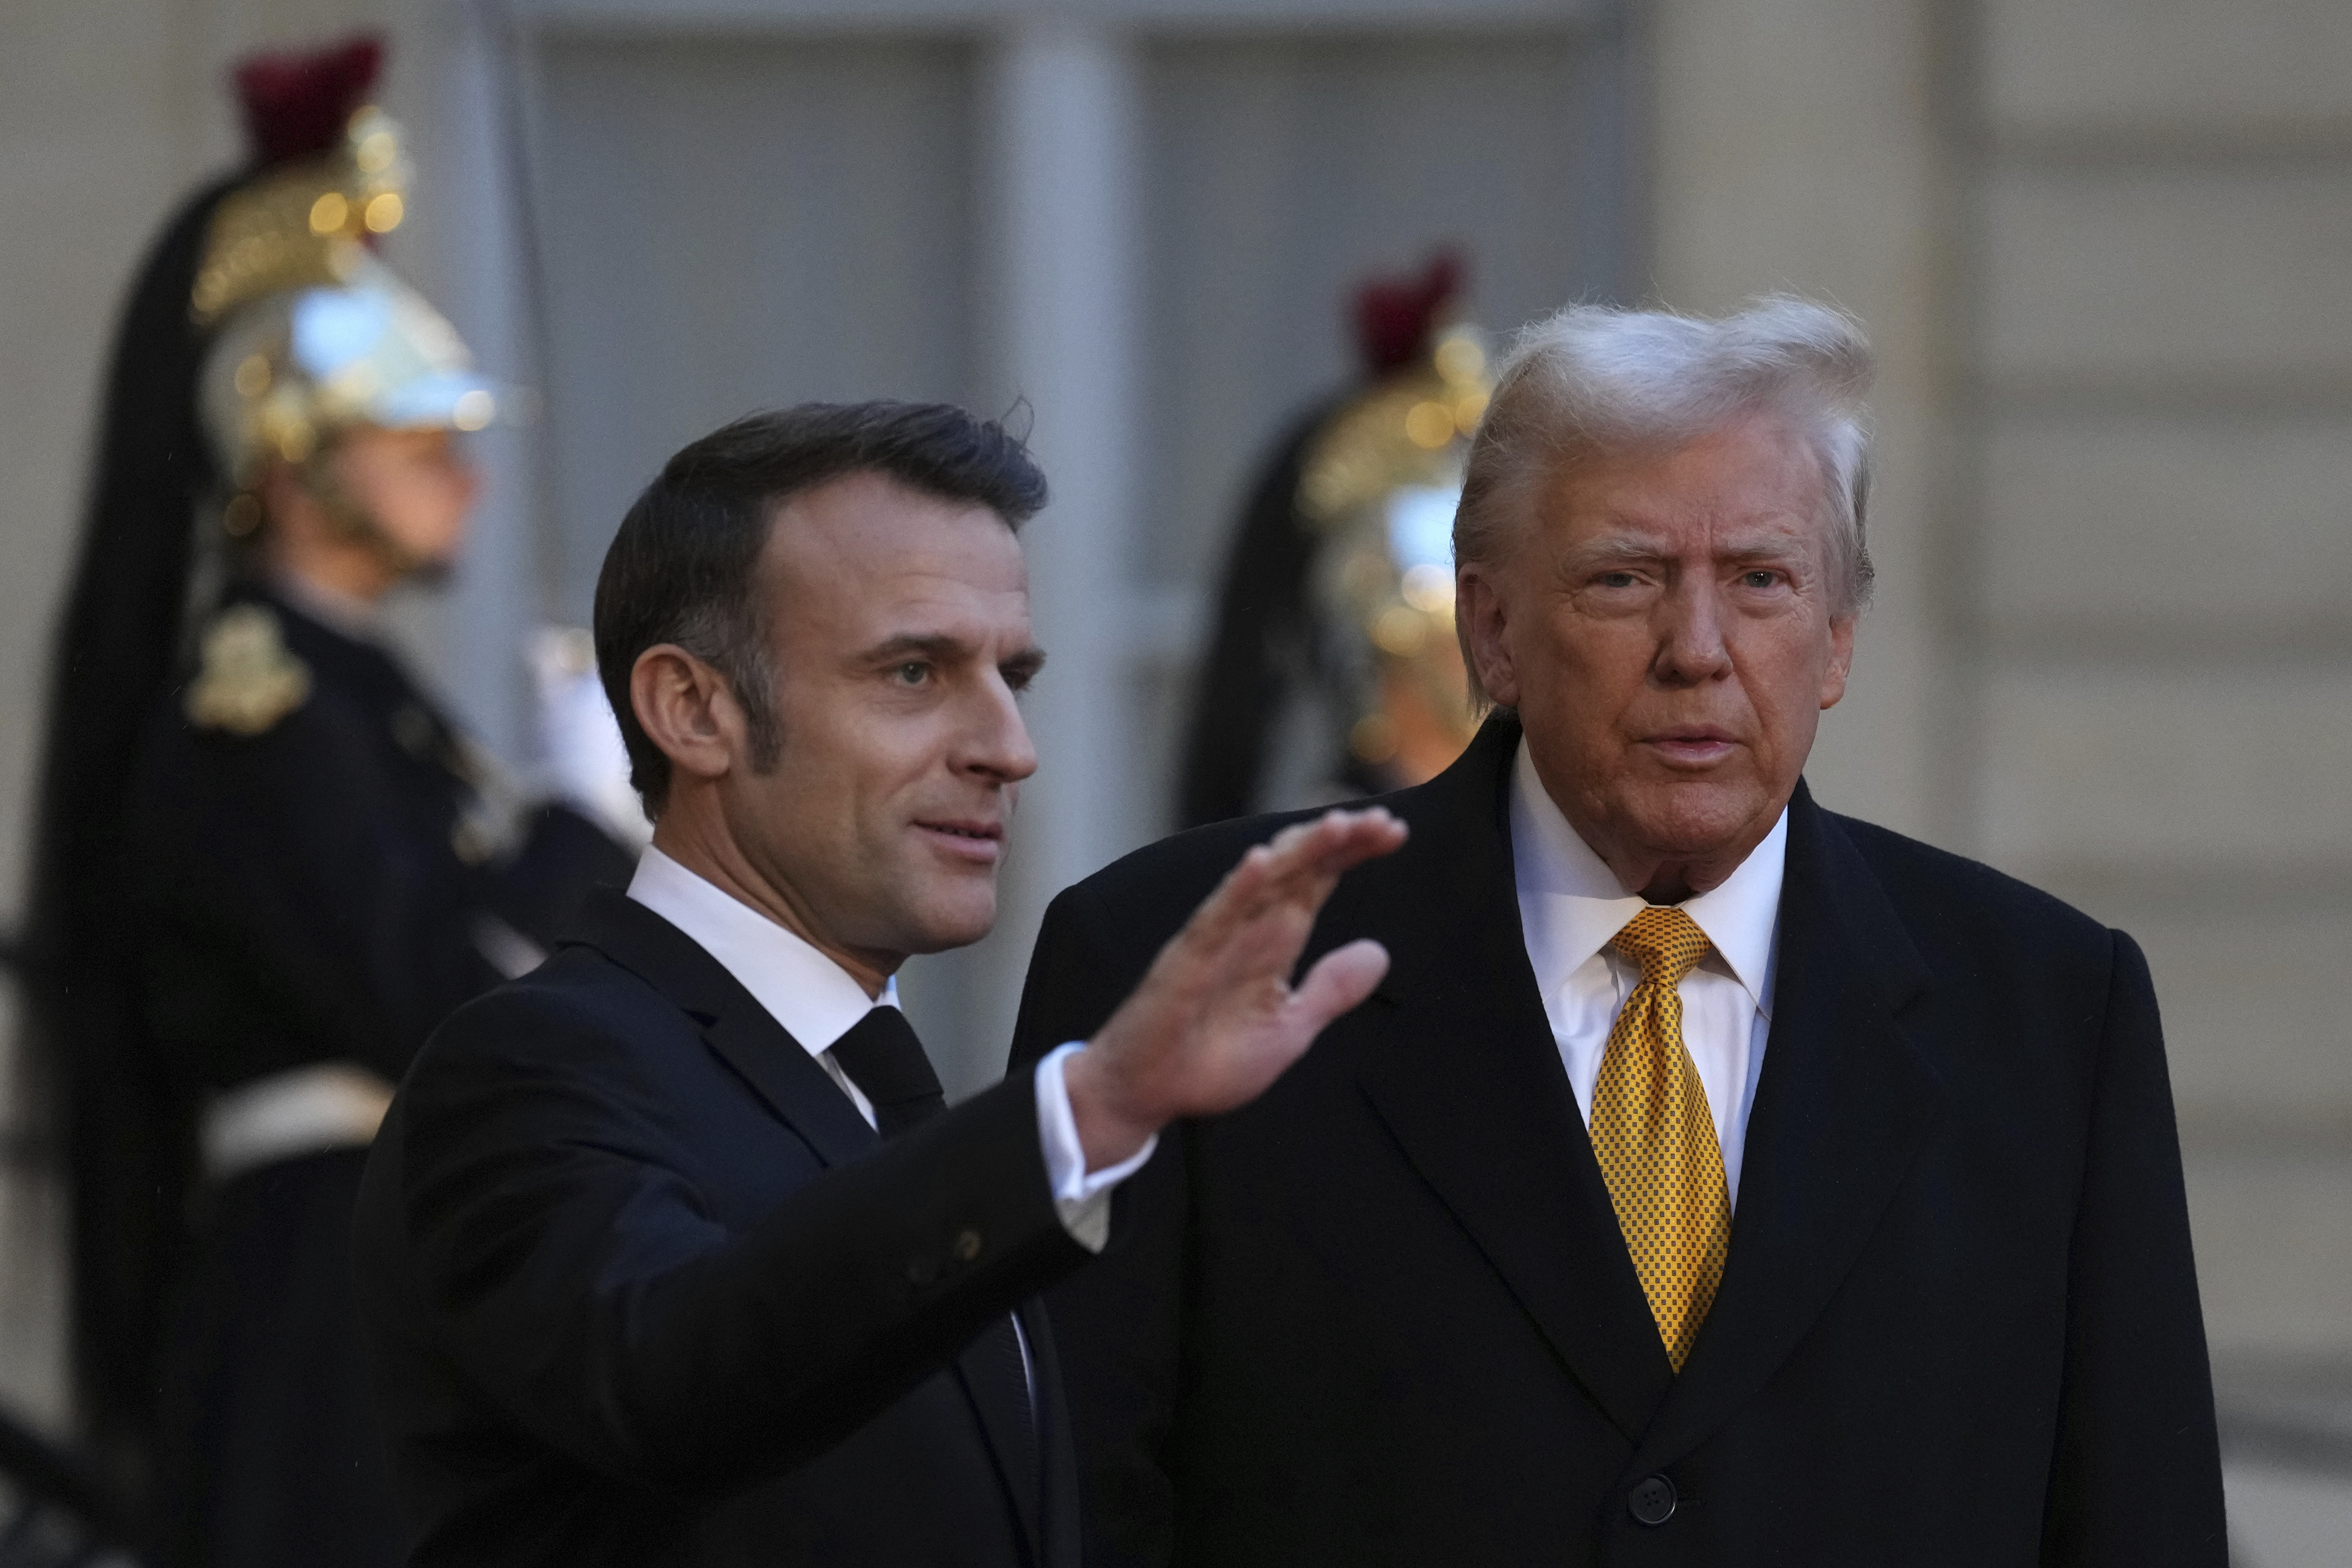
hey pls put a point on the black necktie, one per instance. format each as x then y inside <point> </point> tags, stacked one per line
<point>887,1063</point>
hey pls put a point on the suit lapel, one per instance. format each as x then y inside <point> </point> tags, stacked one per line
<point>1840,1109</point>
<point>1463,1069</point>
<point>779,1070</point>
<point>742,1033</point>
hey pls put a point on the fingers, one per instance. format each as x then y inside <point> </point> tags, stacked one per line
<point>1340,982</point>
<point>1297,869</point>
<point>1306,855</point>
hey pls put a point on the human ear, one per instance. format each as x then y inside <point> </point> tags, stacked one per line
<point>1478,615</point>
<point>1841,660</point>
<point>686,711</point>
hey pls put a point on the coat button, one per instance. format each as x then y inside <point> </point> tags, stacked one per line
<point>1653,1500</point>
<point>967,1245</point>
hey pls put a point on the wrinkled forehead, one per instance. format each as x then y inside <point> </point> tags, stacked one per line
<point>1757,473</point>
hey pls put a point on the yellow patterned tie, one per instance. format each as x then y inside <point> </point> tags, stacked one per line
<point>1654,1137</point>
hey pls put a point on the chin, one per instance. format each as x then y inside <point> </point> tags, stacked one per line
<point>951,924</point>
<point>1697,817</point>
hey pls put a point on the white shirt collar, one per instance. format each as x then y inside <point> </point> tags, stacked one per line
<point>812,997</point>
<point>1570,892</point>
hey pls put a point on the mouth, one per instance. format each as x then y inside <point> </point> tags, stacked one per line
<point>1692,745</point>
<point>970,840</point>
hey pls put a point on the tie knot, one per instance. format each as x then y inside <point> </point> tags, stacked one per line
<point>1666,943</point>
<point>886,1061</point>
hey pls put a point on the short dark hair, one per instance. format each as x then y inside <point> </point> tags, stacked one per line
<point>681,569</point>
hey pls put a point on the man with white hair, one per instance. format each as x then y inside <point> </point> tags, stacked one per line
<point>1713,1179</point>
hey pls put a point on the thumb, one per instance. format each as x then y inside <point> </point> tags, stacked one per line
<point>1340,980</point>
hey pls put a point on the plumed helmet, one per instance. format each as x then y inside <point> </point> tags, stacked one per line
<point>311,332</point>
<point>294,367</point>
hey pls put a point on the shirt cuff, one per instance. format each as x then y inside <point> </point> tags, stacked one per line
<point>1080,1197</point>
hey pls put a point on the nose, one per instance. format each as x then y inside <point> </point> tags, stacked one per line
<point>997,745</point>
<point>1690,626</point>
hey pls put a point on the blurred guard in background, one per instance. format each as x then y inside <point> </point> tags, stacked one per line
<point>1335,672</point>
<point>268,865</point>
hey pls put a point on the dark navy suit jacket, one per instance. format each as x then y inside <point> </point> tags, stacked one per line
<point>1385,1315</point>
<point>643,1288</point>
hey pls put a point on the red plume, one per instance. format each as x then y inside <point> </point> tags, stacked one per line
<point>1395,317</point>
<point>296,105</point>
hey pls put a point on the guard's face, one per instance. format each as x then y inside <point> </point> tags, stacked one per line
<point>900,625</point>
<point>414,485</point>
<point>1665,630</point>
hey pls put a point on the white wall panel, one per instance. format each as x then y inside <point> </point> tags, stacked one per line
<point>732,226</point>
<point>2253,1008</point>
<point>2098,64</point>
<point>2273,1236</point>
<point>2185,272</point>
<point>2205,767</point>
<point>2155,526</point>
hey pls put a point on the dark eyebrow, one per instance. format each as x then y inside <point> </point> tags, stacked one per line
<point>914,645</point>
<point>943,649</point>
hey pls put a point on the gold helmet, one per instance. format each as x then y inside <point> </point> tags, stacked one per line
<point>1379,485</point>
<point>313,334</point>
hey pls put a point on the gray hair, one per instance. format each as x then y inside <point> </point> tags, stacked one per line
<point>1595,379</point>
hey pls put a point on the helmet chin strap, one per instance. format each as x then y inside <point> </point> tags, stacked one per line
<point>352,521</point>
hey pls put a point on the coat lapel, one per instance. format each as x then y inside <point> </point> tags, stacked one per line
<point>741,1032</point>
<point>746,1037</point>
<point>1838,1114</point>
<point>1464,1070</point>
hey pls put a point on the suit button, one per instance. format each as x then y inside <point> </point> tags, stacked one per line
<point>1652,1501</point>
<point>967,1245</point>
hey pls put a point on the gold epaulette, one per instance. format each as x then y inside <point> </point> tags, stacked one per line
<point>247,679</point>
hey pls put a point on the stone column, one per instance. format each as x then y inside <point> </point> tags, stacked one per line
<point>1059,113</point>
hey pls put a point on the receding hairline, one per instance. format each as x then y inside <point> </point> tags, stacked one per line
<point>780,507</point>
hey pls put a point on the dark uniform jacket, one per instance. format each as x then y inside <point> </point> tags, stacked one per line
<point>645,1288</point>
<point>1385,1313</point>
<point>319,873</point>
<point>323,867</point>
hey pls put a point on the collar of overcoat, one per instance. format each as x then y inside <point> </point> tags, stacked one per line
<point>774,1065</point>
<point>1462,1065</point>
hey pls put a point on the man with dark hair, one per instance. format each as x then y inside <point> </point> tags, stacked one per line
<point>670,1251</point>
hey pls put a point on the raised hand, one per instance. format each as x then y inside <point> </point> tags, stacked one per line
<point>1216,1018</point>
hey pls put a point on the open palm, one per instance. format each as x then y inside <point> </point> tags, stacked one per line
<point>1216,1019</point>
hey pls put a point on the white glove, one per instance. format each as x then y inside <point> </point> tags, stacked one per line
<point>581,759</point>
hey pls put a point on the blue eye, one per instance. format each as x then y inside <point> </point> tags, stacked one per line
<point>911,673</point>
<point>1762,579</point>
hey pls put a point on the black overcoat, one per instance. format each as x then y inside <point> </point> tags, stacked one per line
<point>1385,1315</point>
<point>644,1289</point>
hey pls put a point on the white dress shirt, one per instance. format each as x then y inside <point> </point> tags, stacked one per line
<point>817,1002</point>
<point>1571,906</point>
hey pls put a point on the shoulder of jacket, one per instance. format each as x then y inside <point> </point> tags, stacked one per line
<point>1954,887</point>
<point>246,678</point>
